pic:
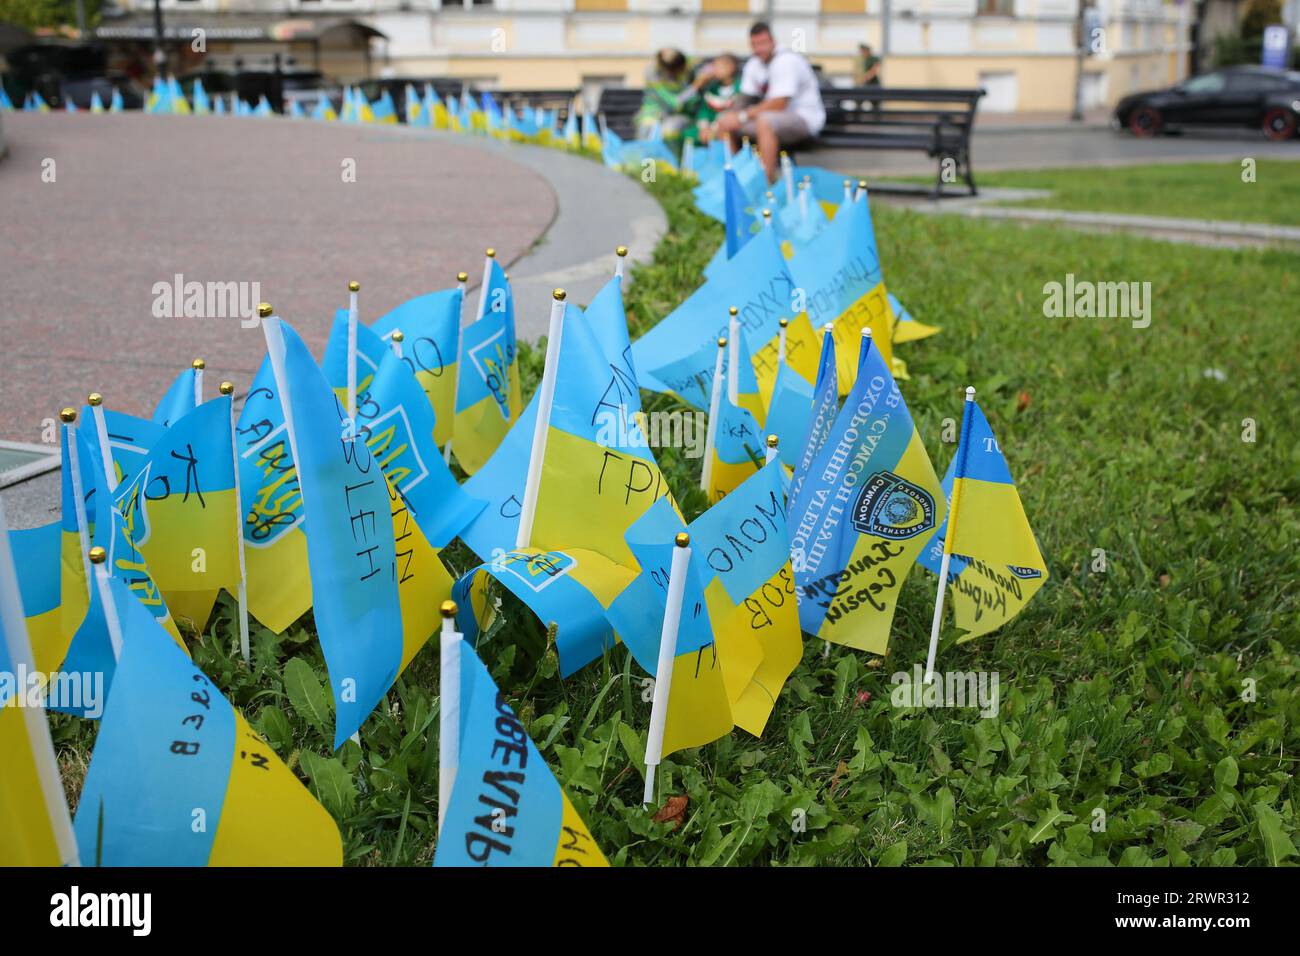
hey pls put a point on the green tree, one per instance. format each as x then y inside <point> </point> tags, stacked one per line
<point>47,14</point>
<point>1260,14</point>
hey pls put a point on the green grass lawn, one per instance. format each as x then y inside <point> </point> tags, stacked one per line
<point>1187,191</point>
<point>1163,690</point>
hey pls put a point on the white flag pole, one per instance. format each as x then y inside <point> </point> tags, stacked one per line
<point>620,263</point>
<point>228,388</point>
<point>69,418</point>
<point>98,558</point>
<point>767,219</point>
<point>448,707</point>
<point>733,357</point>
<point>848,189</point>
<point>353,288</point>
<point>780,355</point>
<point>14,634</point>
<point>395,342</point>
<point>488,256</point>
<point>96,403</point>
<point>715,406</point>
<point>545,397</point>
<point>803,201</point>
<point>773,447</point>
<point>947,551</point>
<point>198,365</point>
<point>654,747</point>
<point>862,190</point>
<point>787,173</point>
<point>462,281</point>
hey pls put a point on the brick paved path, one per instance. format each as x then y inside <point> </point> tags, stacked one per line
<point>137,199</point>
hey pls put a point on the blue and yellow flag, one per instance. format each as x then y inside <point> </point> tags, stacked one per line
<point>571,589</point>
<point>430,324</point>
<point>790,414</point>
<point>598,473</point>
<point>840,275</point>
<point>488,398</point>
<point>178,400</point>
<point>39,587</point>
<point>376,581</point>
<point>181,513</point>
<point>864,512</point>
<point>90,650</point>
<point>279,587</point>
<point>590,133</point>
<point>607,319</point>
<point>738,637</point>
<point>179,778</point>
<point>129,439</point>
<point>738,450</point>
<point>506,808</point>
<point>996,565</point>
<point>741,224</point>
<point>35,829</point>
<point>201,104</point>
<point>395,420</point>
<point>74,540</point>
<point>906,327</point>
<point>825,406</point>
<point>757,281</point>
<point>384,110</point>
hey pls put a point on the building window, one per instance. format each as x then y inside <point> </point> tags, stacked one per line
<point>995,8</point>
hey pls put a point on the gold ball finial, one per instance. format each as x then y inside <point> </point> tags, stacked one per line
<point>198,365</point>
<point>558,295</point>
<point>683,540</point>
<point>490,252</point>
<point>848,184</point>
<point>398,337</point>
<point>227,388</point>
<point>97,555</point>
<point>621,251</point>
<point>462,276</point>
<point>784,154</point>
<point>722,343</point>
<point>448,609</point>
<point>264,310</point>
<point>772,441</point>
<point>862,184</point>
<point>68,415</point>
<point>733,311</point>
<point>94,399</point>
<point>784,323</point>
<point>767,214</point>
<point>354,286</point>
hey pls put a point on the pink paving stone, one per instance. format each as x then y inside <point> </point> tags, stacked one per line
<point>140,198</point>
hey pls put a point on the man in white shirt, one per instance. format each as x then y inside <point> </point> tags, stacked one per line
<point>786,102</point>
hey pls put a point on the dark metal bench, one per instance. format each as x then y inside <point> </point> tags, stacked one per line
<point>619,105</point>
<point>937,122</point>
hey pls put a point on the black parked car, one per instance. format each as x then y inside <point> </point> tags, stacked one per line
<point>1242,96</point>
<point>62,71</point>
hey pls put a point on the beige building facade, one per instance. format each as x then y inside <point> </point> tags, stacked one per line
<point>1021,51</point>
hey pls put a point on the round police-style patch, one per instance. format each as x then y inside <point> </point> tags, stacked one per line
<point>889,507</point>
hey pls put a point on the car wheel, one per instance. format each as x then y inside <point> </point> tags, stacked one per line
<point>1144,122</point>
<point>1279,124</point>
